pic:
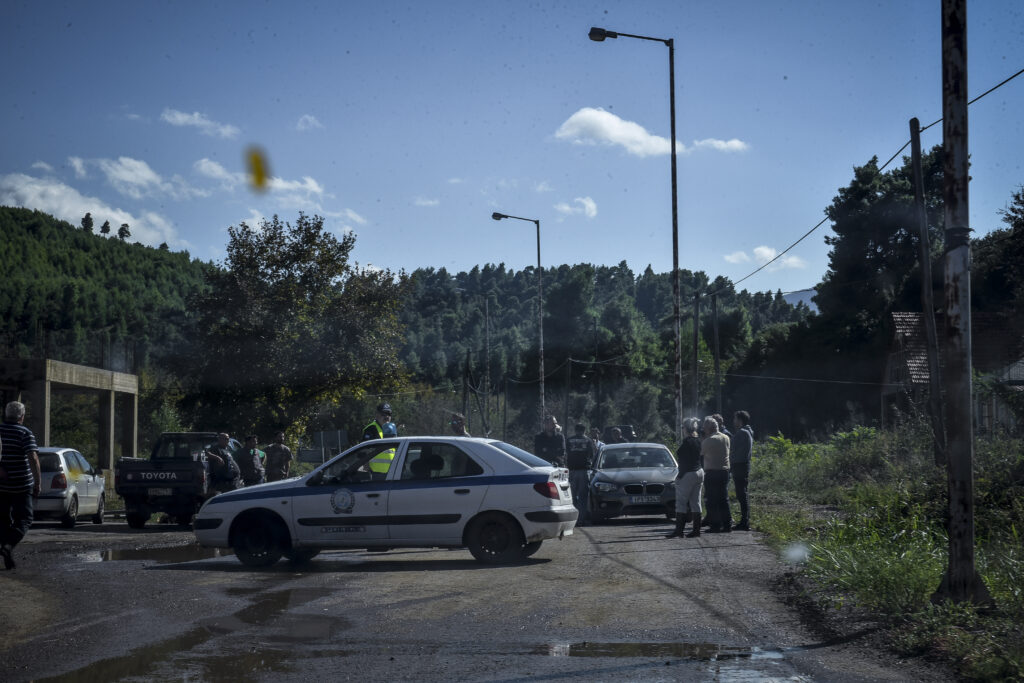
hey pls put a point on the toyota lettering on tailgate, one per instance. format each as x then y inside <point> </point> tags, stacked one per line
<point>160,476</point>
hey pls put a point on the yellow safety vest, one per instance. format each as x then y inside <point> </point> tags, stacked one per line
<point>382,461</point>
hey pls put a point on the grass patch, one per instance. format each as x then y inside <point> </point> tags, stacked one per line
<point>864,514</point>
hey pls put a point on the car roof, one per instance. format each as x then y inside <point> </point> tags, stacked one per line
<point>633,444</point>
<point>56,449</point>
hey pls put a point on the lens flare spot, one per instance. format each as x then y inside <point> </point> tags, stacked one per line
<point>259,170</point>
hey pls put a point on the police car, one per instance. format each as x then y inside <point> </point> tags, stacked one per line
<point>489,496</point>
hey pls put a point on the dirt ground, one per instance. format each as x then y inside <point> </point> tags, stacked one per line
<point>615,602</point>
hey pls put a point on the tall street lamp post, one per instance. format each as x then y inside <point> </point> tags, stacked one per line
<point>540,305</point>
<point>598,35</point>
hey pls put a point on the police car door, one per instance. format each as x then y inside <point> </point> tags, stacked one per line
<point>439,489</point>
<point>344,503</point>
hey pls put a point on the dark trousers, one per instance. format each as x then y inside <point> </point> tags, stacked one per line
<point>740,472</point>
<point>716,483</point>
<point>15,516</point>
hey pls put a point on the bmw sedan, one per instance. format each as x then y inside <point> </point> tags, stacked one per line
<point>633,479</point>
<point>497,500</point>
<point>70,487</point>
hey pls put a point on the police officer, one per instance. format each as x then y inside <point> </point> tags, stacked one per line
<point>377,429</point>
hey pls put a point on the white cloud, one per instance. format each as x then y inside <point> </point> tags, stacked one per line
<point>763,255</point>
<point>737,257</point>
<point>543,186</point>
<point>456,181</point>
<point>354,217</point>
<point>592,126</point>
<point>136,179</point>
<point>67,203</point>
<point>212,169</point>
<point>78,165</point>
<point>200,121</point>
<point>423,201</point>
<point>732,145</point>
<point>308,122</point>
<point>43,166</point>
<point>580,205</point>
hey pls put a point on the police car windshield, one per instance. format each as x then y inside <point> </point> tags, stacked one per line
<point>528,459</point>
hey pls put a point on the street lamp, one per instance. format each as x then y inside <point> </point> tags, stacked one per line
<point>598,35</point>
<point>540,304</point>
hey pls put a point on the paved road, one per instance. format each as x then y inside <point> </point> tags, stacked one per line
<point>613,602</point>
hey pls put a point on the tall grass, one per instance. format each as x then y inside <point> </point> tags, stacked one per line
<point>867,512</point>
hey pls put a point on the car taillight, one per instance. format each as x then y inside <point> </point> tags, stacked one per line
<point>59,481</point>
<point>548,489</point>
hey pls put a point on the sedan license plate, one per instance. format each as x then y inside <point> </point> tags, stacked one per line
<point>159,492</point>
<point>644,499</point>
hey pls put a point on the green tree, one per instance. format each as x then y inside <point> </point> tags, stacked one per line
<point>124,232</point>
<point>87,222</point>
<point>105,228</point>
<point>289,324</point>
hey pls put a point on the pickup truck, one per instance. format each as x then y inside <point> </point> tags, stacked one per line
<point>174,480</point>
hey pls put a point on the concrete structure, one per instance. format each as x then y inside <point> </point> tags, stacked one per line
<point>32,381</point>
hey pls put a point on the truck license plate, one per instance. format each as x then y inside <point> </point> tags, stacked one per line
<point>160,492</point>
<point>644,499</point>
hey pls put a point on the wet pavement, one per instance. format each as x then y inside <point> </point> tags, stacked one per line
<point>614,602</point>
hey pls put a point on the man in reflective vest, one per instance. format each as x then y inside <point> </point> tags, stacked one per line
<point>381,462</point>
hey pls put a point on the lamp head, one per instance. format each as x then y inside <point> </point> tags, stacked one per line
<point>498,216</point>
<point>599,34</point>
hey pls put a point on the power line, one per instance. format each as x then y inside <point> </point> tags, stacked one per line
<point>880,168</point>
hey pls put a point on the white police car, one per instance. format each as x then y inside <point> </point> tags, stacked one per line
<point>498,500</point>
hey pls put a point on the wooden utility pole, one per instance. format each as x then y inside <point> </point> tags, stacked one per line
<point>961,582</point>
<point>927,303</point>
<point>718,372</point>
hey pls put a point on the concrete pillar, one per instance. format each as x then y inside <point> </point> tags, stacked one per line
<point>129,411</point>
<point>106,435</point>
<point>37,410</point>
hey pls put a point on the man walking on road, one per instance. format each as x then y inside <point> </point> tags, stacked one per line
<point>581,454</point>
<point>20,480</point>
<point>739,464</point>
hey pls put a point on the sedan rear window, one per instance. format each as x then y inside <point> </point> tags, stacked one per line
<point>528,459</point>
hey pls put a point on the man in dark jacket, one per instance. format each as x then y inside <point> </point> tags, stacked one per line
<point>224,472</point>
<point>580,451</point>
<point>550,444</point>
<point>739,460</point>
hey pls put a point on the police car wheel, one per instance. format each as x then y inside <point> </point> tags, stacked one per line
<point>495,538</point>
<point>257,542</point>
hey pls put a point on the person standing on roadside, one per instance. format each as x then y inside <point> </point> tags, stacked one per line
<point>224,472</point>
<point>715,452</point>
<point>279,459</point>
<point>739,464</point>
<point>250,463</point>
<point>549,444</point>
<point>20,480</point>
<point>595,434</point>
<point>689,481</point>
<point>581,454</point>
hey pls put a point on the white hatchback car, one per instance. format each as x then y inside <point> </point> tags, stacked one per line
<point>70,487</point>
<point>498,500</point>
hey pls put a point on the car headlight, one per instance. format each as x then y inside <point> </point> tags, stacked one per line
<point>605,486</point>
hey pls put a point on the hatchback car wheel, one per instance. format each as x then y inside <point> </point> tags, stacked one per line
<point>98,517</point>
<point>70,517</point>
<point>258,542</point>
<point>495,538</point>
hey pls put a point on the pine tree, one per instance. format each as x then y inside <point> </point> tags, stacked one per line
<point>87,222</point>
<point>105,228</point>
<point>123,232</point>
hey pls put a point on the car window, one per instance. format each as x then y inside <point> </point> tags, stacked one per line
<point>73,465</point>
<point>633,458</point>
<point>528,459</point>
<point>49,462</point>
<point>182,448</point>
<point>83,464</point>
<point>353,467</point>
<point>438,461</point>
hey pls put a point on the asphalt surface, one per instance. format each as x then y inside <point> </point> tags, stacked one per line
<point>615,602</point>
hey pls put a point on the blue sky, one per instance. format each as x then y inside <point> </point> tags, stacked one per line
<point>409,123</point>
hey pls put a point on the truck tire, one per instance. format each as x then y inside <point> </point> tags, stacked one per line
<point>136,520</point>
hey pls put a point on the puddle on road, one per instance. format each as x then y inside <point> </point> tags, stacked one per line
<point>700,651</point>
<point>172,555</point>
<point>262,658</point>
